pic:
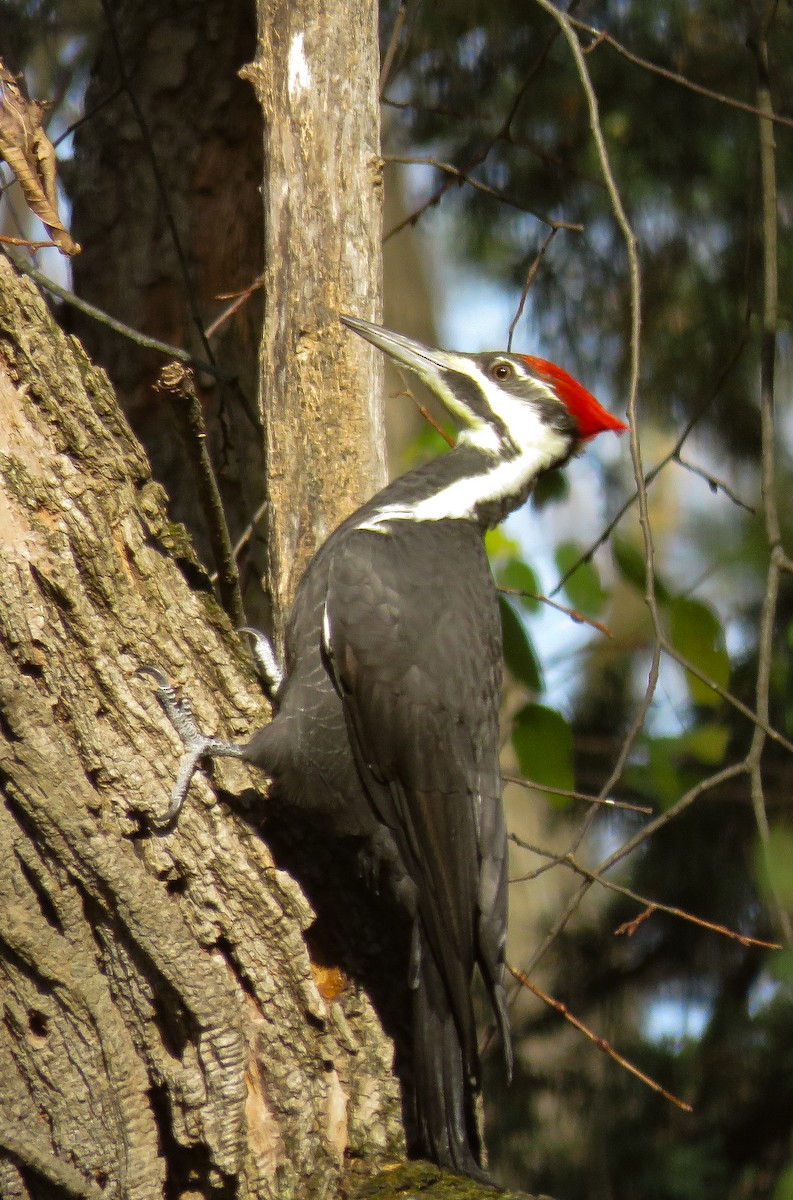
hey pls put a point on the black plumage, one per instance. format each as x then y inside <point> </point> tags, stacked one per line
<point>388,715</point>
<point>385,734</point>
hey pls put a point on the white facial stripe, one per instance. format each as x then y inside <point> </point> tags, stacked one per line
<point>483,436</point>
<point>444,393</point>
<point>518,416</point>
<point>460,500</point>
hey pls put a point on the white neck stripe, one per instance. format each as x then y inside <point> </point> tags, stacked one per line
<point>461,499</point>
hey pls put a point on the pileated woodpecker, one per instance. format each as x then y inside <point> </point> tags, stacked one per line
<point>386,718</point>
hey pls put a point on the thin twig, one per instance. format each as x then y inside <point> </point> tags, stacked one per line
<point>134,335</point>
<point>655,471</point>
<point>759,720</point>
<point>245,536</point>
<point>530,277</point>
<point>237,301</point>
<point>759,44</point>
<point>638,839</point>
<point>503,132</point>
<point>714,483</point>
<point>569,794</point>
<point>460,176</point>
<point>21,241</point>
<point>671,910</point>
<point>425,412</point>
<point>177,382</point>
<point>634,275</point>
<point>393,44</point>
<point>600,1042</point>
<point>520,143</point>
<point>603,38</point>
<point>572,613</point>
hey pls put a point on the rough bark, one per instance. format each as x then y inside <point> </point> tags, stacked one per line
<point>316,74</point>
<point>163,1030</point>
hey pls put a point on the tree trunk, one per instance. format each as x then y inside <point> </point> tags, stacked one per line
<point>166,196</point>
<point>163,1031</point>
<point>316,76</point>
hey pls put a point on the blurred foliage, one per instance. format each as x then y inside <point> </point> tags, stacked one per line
<point>492,90</point>
<point>688,165</point>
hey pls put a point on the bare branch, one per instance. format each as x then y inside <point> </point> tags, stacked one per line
<point>600,1042</point>
<point>530,277</point>
<point>459,176</point>
<point>606,801</point>
<point>634,273</point>
<point>652,906</point>
<point>237,299</point>
<point>655,471</point>
<point>603,38</point>
<point>652,827</point>
<point>177,382</point>
<point>714,483</point>
<point>758,720</point>
<point>572,613</point>
<point>393,45</point>
<point>759,44</point>
<point>104,318</point>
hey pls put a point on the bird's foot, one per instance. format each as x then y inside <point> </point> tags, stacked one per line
<point>196,744</point>
<point>265,660</point>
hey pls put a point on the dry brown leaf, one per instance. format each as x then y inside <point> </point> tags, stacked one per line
<point>31,156</point>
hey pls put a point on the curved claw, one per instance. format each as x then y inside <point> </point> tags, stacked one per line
<point>155,672</point>
<point>265,660</point>
<point>197,745</point>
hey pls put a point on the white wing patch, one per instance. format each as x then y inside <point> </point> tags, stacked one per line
<point>327,633</point>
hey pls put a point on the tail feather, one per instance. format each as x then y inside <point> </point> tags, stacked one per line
<point>446,1085</point>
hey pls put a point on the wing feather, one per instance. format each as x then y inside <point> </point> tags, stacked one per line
<point>413,637</point>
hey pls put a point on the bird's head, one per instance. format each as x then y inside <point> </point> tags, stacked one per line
<point>508,405</point>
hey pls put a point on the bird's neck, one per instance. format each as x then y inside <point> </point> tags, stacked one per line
<point>468,483</point>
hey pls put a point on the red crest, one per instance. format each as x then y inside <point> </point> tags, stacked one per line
<point>591,416</point>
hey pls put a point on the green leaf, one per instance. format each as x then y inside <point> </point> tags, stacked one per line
<point>500,545</point>
<point>697,634</point>
<point>519,576</point>
<point>708,744</point>
<point>775,866</point>
<point>663,775</point>
<point>551,487</point>
<point>583,587</point>
<point>675,764</point>
<point>426,445</point>
<point>784,1185</point>
<point>518,650</point>
<point>629,561</point>
<point>543,743</point>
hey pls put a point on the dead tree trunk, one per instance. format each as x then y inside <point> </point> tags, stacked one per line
<point>316,76</point>
<point>163,1031</point>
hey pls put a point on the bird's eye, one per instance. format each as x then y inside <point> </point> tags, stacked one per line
<point>502,370</point>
